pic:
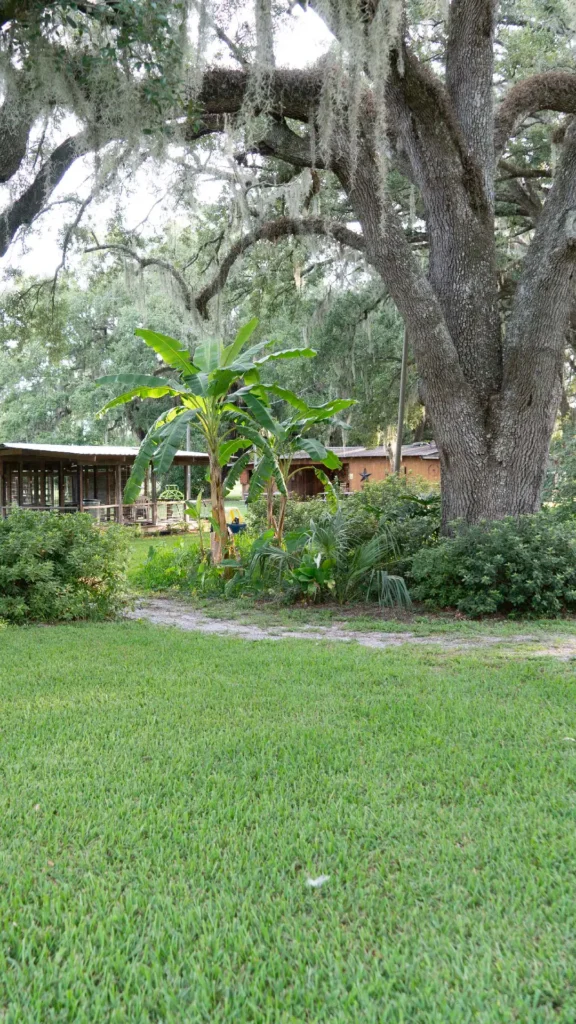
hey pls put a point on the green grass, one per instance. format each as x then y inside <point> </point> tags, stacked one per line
<point>164,797</point>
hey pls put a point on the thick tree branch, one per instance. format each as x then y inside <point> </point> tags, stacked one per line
<point>284,144</point>
<point>526,201</point>
<point>16,120</point>
<point>291,93</point>
<point>553,90</point>
<point>23,210</point>
<point>271,231</point>
<point>545,292</point>
<point>512,171</point>
<point>458,214</point>
<point>234,49</point>
<point>151,261</point>
<point>469,79</point>
<point>535,339</point>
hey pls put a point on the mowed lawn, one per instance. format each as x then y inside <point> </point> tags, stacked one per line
<point>164,798</point>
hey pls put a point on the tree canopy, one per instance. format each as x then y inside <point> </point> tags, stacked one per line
<point>435,144</point>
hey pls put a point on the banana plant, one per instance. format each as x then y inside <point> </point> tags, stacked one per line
<point>281,440</point>
<point>212,387</point>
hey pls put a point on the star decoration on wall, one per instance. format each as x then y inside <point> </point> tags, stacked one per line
<point>364,476</point>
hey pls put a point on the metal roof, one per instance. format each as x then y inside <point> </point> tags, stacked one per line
<point>87,450</point>
<point>417,450</point>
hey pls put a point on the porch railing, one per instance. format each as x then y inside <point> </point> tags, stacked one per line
<point>159,513</point>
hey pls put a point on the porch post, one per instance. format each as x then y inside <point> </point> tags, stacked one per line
<point>20,488</point>
<point>118,477</point>
<point>2,500</point>
<point>61,488</point>
<point>80,488</point>
<point>153,490</point>
<point>187,473</point>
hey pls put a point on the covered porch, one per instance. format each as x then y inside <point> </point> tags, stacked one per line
<point>84,478</point>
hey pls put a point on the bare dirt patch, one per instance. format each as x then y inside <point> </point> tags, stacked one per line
<point>168,612</point>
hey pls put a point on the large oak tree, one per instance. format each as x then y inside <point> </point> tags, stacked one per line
<point>432,107</point>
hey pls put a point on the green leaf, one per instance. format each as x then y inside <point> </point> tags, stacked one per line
<point>172,435</point>
<point>170,350</point>
<point>319,453</point>
<point>252,376</point>
<point>207,354</point>
<point>128,396</point>
<point>288,396</point>
<point>148,450</point>
<point>260,413</point>
<point>232,351</point>
<point>288,353</point>
<point>236,471</point>
<point>257,438</point>
<point>141,463</point>
<point>141,380</point>
<point>219,383</point>
<point>262,473</point>
<point>230,448</point>
<point>315,413</point>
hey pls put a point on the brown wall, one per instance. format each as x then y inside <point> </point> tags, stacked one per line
<point>379,469</point>
<point>306,484</point>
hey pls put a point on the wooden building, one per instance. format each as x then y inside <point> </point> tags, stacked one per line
<point>360,466</point>
<point>84,478</point>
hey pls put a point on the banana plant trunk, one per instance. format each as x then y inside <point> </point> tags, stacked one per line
<point>219,535</point>
<point>281,519</point>
<point>270,517</point>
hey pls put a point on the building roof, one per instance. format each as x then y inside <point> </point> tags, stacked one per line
<point>417,450</point>
<point>88,451</point>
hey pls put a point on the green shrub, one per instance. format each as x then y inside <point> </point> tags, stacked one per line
<point>299,513</point>
<point>180,567</point>
<point>60,567</point>
<point>521,566</point>
<point>405,508</point>
<point>323,561</point>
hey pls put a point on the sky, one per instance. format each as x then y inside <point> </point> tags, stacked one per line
<point>298,43</point>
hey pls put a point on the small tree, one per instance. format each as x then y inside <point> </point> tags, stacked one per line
<point>282,440</point>
<point>207,391</point>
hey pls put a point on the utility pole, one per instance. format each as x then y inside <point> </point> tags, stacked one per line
<point>401,404</point>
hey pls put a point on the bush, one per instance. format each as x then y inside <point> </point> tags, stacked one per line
<point>404,508</point>
<point>521,566</point>
<point>299,513</point>
<point>320,562</point>
<point>180,567</point>
<point>59,568</point>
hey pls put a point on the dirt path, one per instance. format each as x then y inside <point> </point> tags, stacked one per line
<point>167,612</point>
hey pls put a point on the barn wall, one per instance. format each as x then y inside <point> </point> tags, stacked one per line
<point>306,484</point>
<point>379,469</point>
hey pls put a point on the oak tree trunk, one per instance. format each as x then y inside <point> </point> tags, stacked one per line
<point>490,376</point>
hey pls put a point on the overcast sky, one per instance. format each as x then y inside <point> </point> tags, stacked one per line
<point>301,42</point>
